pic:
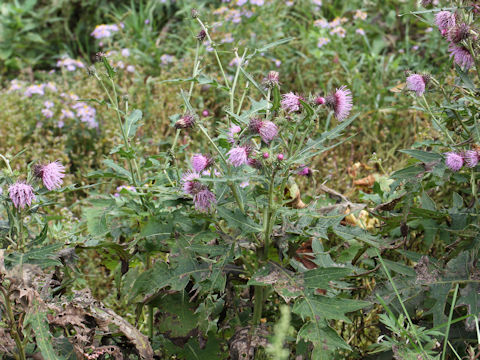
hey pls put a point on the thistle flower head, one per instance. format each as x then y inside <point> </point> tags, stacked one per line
<point>445,20</point>
<point>204,200</point>
<point>51,174</point>
<point>341,103</point>
<point>201,35</point>
<point>190,183</point>
<point>201,162</point>
<point>272,79</point>
<point>238,156</point>
<point>21,194</point>
<point>454,161</point>
<point>256,164</point>
<point>458,33</point>
<point>235,129</point>
<point>416,82</point>
<point>471,158</point>
<point>291,102</point>
<point>461,56</point>
<point>255,124</point>
<point>319,100</point>
<point>185,122</point>
<point>268,131</point>
<point>305,171</point>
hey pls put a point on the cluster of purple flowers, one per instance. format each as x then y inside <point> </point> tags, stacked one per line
<point>455,32</point>
<point>203,198</point>
<point>37,89</point>
<point>335,27</point>
<point>70,64</point>
<point>456,160</point>
<point>22,194</point>
<point>340,101</point>
<point>105,30</point>
<point>166,59</point>
<point>86,114</point>
<point>120,64</point>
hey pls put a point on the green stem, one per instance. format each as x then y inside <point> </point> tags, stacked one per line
<point>268,221</point>
<point>120,124</point>
<point>258,305</point>
<point>236,195</point>
<point>449,322</point>
<point>177,133</point>
<point>13,325</point>
<point>242,99</point>
<point>204,28</point>
<point>234,85</point>
<point>7,162</point>
<point>436,121</point>
<point>412,326</point>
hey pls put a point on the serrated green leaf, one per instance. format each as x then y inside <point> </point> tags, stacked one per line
<point>320,278</point>
<point>237,220</point>
<point>322,307</point>
<point>132,123</point>
<point>424,156</point>
<point>37,319</point>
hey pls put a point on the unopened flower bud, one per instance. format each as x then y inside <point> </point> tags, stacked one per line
<point>201,35</point>
<point>280,157</point>
<point>272,79</point>
<point>194,13</point>
<point>319,100</point>
<point>185,122</point>
<point>266,155</point>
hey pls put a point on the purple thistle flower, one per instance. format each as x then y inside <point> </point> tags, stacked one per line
<point>272,79</point>
<point>416,83</point>
<point>204,200</point>
<point>291,102</point>
<point>454,161</point>
<point>461,56</point>
<point>471,158</point>
<point>256,164</point>
<point>21,194</point>
<point>445,20</point>
<point>235,129</point>
<point>238,156</point>
<point>268,131</point>
<point>200,162</point>
<point>255,124</point>
<point>304,171</point>
<point>185,122</point>
<point>319,100</point>
<point>458,33</point>
<point>190,183</point>
<point>340,102</point>
<point>51,174</point>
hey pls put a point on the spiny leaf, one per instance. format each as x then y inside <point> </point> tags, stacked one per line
<point>37,319</point>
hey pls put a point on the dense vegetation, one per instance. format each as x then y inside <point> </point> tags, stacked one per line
<point>245,179</point>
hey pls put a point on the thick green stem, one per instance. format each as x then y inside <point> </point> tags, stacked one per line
<point>258,305</point>
<point>268,221</point>
<point>15,332</point>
